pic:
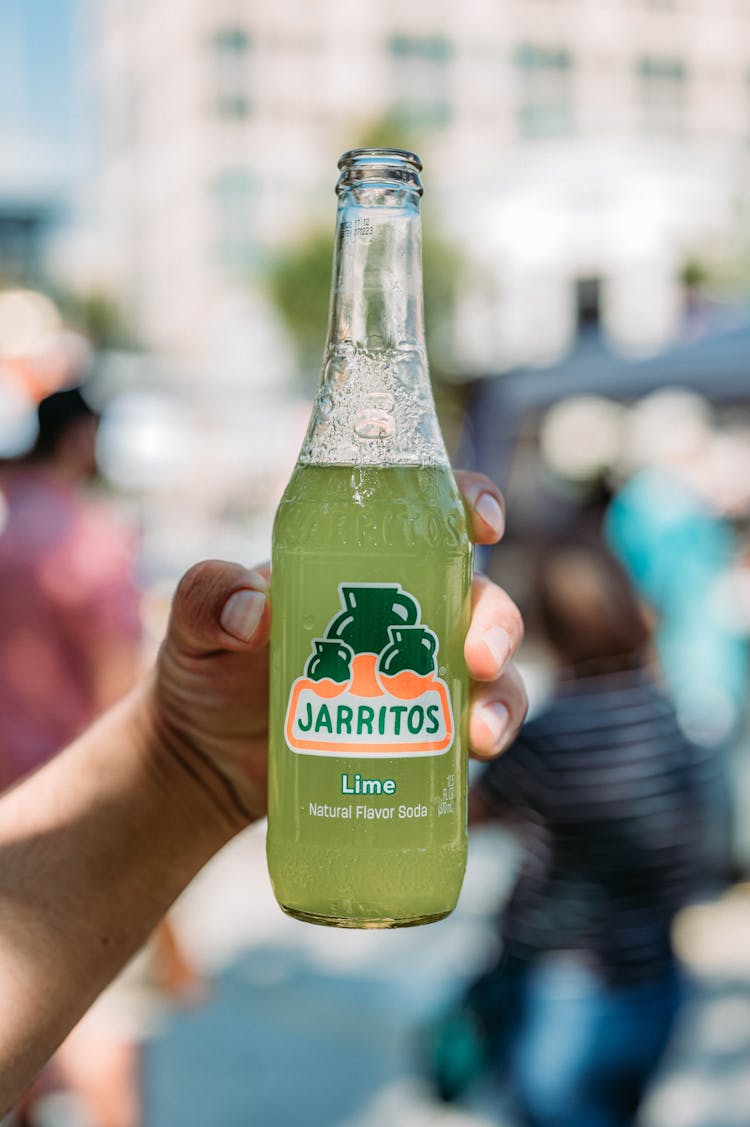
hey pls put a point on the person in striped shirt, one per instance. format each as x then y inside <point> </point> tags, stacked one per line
<point>614,807</point>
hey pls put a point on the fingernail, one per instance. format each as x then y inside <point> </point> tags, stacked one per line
<point>242,613</point>
<point>497,718</point>
<point>491,512</point>
<point>499,643</point>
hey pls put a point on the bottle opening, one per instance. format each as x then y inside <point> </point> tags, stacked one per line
<point>385,166</point>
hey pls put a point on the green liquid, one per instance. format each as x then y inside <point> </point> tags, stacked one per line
<point>398,858</point>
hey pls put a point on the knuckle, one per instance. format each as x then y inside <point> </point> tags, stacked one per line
<point>193,579</point>
<point>198,581</point>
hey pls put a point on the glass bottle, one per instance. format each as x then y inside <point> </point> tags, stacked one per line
<point>367,772</point>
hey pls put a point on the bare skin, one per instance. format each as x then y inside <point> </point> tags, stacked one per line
<point>96,846</point>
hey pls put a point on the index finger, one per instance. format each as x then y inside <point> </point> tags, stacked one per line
<point>485,506</point>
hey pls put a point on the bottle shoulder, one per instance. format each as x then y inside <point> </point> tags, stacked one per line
<point>374,407</point>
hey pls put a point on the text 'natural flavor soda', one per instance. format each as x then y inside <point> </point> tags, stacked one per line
<point>371,578</point>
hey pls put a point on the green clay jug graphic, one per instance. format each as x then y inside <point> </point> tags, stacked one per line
<point>331,659</point>
<point>370,611</point>
<point>411,648</point>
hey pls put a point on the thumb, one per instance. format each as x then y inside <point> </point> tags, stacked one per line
<point>220,606</point>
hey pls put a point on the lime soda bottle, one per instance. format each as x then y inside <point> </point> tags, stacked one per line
<point>371,577</point>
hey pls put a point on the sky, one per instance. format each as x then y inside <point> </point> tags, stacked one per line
<point>36,84</point>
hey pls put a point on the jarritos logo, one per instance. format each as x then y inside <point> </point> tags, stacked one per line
<point>370,687</point>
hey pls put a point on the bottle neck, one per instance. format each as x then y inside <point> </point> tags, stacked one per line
<point>374,405</point>
<point>376,292</point>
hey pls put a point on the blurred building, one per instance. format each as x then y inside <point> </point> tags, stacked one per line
<point>32,206</point>
<point>575,147</point>
<point>25,222</point>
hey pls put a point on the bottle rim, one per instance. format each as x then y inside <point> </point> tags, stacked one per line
<point>385,166</point>
<point>380,156</point>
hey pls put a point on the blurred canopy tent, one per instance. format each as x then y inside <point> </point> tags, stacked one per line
<point>716,364</point>
<point>673,540</point>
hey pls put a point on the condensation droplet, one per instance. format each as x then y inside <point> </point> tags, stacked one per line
<point>325,403</point>
<point>374,424</point>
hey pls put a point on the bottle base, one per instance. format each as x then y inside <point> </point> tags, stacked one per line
<point>373,924</point>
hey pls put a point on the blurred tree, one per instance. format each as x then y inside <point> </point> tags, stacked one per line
<point>694,273</point>
<point>98,316</point>
<point>718,272</point>
<point>299,283</point>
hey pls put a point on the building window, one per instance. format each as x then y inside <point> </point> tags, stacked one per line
<point>587,296</point>
<point>231,58</point>
<point>545,91</point>
<point>663,95</point>
<point>235,196</point>
<point>420,68</point>
<point>21,234</point>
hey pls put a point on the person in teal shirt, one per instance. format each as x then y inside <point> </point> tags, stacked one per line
<point>676,548</point>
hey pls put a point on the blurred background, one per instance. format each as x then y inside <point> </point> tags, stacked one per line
<point>166,217</point>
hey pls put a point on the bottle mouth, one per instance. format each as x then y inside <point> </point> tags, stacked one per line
<point>395,167</point>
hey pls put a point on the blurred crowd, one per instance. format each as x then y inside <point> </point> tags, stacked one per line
<point>628,551</point>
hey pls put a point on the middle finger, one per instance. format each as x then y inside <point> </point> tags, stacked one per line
<point>495,631</point>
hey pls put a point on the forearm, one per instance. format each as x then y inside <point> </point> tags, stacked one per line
<point>93,850</point>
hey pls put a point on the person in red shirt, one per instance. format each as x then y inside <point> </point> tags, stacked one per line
<point>69,648</point>
<point>69,605</point>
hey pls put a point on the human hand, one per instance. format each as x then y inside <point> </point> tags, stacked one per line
<point>210,692</point>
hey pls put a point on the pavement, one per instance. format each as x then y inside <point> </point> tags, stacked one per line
<point>315,1027</point>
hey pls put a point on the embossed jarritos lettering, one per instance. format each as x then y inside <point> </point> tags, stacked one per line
<point>359,529</point>
<point>370,686</point>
